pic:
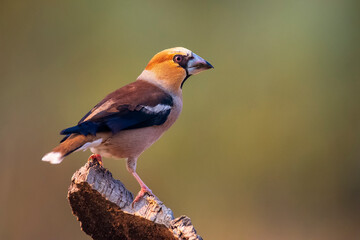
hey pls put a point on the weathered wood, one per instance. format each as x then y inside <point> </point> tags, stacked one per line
<point>103,207</point>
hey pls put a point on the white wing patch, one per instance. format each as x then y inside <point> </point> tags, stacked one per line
<point>53,158</point>
<point>158,108</point>
<point>90,145</point>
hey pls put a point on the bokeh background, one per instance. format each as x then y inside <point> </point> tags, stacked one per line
<point>268,143</point>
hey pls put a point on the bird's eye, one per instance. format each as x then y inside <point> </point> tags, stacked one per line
<point>178,58</point>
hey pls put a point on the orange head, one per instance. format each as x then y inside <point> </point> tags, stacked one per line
<point>171,67</point>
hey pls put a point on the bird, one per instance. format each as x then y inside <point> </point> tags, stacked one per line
<point>130,119</point>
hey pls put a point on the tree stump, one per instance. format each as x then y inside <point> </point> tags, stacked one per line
<point>104,208</point>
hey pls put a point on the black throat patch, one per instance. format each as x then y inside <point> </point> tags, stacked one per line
<point>187,76</point>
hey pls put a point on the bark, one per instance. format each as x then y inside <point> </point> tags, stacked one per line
<point>104,208</point>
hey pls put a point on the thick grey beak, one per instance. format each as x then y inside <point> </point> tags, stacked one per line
<point>197,64</point>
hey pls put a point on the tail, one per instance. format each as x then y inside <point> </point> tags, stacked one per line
<point>75,142</point>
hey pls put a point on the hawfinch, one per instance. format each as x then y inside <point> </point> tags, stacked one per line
<point>129,120</point>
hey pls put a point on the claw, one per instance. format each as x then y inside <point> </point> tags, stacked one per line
<point>141,194</point>
<point>96,158</point>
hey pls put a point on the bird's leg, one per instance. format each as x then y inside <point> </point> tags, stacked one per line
<point>97,158</point>
<point>144,189</point>
<point>131,167</point>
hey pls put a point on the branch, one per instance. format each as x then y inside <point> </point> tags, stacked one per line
<point>103,207</point>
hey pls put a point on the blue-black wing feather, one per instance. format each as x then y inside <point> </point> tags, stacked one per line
<point>123,120</point>
<point>128,111</point>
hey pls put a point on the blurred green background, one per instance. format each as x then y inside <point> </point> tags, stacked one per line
<point>268,143</point>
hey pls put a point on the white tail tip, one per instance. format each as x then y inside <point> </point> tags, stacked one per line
<point>53,158</point>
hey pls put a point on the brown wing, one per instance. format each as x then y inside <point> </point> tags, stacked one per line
<point>139,104</point>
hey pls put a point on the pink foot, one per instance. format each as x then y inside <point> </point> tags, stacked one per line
<point>96,158</point>
<point>141,194</point>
